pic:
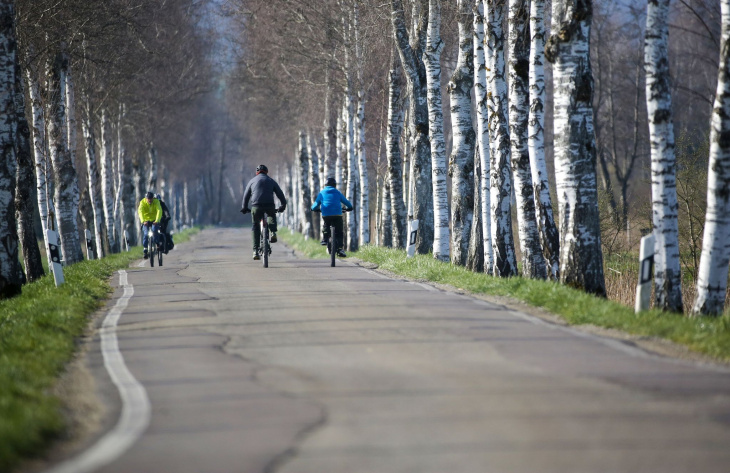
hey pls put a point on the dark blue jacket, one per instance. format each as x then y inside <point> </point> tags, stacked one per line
<point>330,200</point>
<point>260,192</point>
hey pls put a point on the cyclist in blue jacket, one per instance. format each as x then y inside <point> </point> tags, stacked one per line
<point>330,202</point>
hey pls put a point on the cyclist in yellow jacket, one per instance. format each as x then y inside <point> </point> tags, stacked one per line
<point>150,214</point>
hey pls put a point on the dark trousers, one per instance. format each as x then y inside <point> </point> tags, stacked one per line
<point>338,223</point>
<point>257,214</point>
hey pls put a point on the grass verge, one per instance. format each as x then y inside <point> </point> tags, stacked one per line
<point>709,336</point>
<point>38,332</point>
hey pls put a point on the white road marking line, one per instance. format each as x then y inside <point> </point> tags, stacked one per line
<point>135,416</point>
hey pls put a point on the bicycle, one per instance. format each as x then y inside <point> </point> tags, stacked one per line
<point>155,247</point>
<point>332,248</point>
<point>264,244</point>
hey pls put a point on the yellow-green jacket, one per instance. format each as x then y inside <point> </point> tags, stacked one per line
<point>150,212</point>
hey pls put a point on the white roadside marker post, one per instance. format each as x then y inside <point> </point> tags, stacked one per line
<point>646,273</point>
<point>54,253</point>
<point>89,245</point>
<point>412,234</point>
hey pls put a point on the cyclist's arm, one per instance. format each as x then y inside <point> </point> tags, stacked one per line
<point>317,202</point>
<point>346,202</point>
<point>141,212</point>
<point>246,196</point>
<point>279,194</point>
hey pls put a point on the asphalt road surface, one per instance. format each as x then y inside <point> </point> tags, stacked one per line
<point>303,368</point>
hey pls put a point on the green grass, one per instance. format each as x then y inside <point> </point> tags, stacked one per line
<point>38,333</point>
<point>709,336</point>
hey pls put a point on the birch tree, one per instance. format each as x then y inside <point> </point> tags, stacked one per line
<point>533,262</point>
<point>475,258</point>
<point>713,273</point>
<point>314,183</point>
<point>461,161</point>
<point>107,176</point>
<point>568,48</point>
<point>432,64</point>
<point>10,270</point>
<point>482,136</point>
<point>411,51</point>
<point>549,238</point>
<point>505,263</point>
<point>362,163</point>
<point>305,200</point>
<point>87,129</point>
<point>39,139</point>
<point>393,155</point>
<point>24,208</point>
<point>667,277</point>
<point>66,192</point>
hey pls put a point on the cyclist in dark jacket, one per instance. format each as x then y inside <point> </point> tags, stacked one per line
<point>330,202</point>
<point>258,198</point>
<point>166,217</point>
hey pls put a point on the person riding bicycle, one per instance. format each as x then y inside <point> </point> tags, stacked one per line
<point>150,214</point>
<point>166,217</point>
<point>259,194</point>
<point>329,202</point>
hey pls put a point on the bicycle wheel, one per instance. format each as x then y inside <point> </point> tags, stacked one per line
<point>333,246</point>
<point>161,249</point>
<point>265,245</point>
<point>151,252</point>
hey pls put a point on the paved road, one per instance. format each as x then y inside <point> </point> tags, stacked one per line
<point>303,368</point>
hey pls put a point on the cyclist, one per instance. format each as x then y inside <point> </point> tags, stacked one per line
<point>259,195</point>
<point>150,214</point>
<point>329,202</point>
<point>166,217</point>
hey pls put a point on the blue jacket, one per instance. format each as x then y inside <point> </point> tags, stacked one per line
<point>330,200</point>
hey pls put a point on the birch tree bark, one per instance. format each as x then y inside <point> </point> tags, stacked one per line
<point>362,163</point>
<point>152,164</point>
<point>330,131</point>
<point>24,208</point>
<point>352,234</point>
<point>461,161</point>
<point>505,263</point>
<point>432,65</point>
<point>581,258</point>
<point>340,150</point>
<point>667,277</point>
<point>533,261</point>
<point>186,221</point>
<point>482,136</point>
<point>549,238</point>
<point>305,200</point>
<point>93,178</point>
<point>10,270</point>
<point>138,182</point>
<point>411,51</point>
<point>39,140</point>
<point>66,194</point>
<point>314,183</point>
<point>713,273</point>
<point>386,221</point>
<point>475,258</point>
<point>393,155</point>
<point>70,102</point>
<point>107,176</point>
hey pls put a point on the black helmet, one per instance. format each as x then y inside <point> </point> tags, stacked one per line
<point>149,195</point>
<point>331,182</point>
<point>262,168</point>
<point>158,197</point>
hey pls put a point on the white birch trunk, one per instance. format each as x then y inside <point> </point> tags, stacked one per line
<point>505,263</point>
<point>71,115</point>
<point>93,178</point>
<point>187,221</point>
<point>411,48</point>
<point>338,168</point>
<point>314,181</point>
<point>138,183</point>
<point>327,161</point>
<point>39,142</point>
<point>66,189</point>
<point>581,258</point>
<point>362,163</point>
<point>432,63</point>
<point>667,276</point>
<point>461,161</point>
<point>394,158</point>
<point>533,261</point>
<point>549,238</point>
<point>152,164</point>
<point>352,234</point>
<point>480,95</point>
<point>386,222</point>
<point>713,273</point>
<point>10,269</point>
<point>107,177</point>
<point>305,201</point>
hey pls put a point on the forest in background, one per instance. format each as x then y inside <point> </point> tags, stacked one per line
<point>186,98</point>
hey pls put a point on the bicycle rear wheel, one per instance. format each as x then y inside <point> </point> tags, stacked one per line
<point>151,252</point>
<point>333,246</point>
<point>161,249</point>
<point>265,245</point>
